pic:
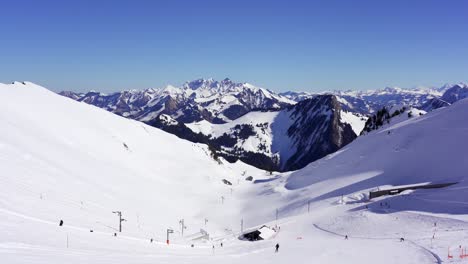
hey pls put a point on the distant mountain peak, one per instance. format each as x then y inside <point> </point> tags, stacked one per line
<point>200,83</point>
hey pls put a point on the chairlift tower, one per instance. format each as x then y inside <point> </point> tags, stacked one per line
<point>182,226</point>
<point>119,213</point>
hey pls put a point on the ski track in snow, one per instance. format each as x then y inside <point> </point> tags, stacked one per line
<point>434,255</point>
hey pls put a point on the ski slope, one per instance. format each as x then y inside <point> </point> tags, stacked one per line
<point>65,160</point>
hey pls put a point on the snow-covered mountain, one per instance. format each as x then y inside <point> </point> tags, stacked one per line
<point>349,100</point>
<point>455,93</point>
<point>224,101</point>
<point>367,102</point>
<point>203,99</point>
<point>62,160</point>
<point>290,138</point>
<point>398,96</point>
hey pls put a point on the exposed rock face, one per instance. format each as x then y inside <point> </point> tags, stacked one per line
<point>317,130</point>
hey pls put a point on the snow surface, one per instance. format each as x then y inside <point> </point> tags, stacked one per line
<point>356,121</point>
<point>216,130</point>
<point>62,159</point>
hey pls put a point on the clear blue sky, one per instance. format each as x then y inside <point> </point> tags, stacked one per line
<point>110,45</point>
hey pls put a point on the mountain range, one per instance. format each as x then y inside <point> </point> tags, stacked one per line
<point>273,131</point>
<point>203,99</point>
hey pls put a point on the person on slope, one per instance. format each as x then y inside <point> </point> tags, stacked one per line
<point>277,248</point>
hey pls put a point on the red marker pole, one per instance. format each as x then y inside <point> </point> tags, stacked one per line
<point>168,232</point>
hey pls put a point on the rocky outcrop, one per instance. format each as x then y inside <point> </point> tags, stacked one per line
<point>317,130</point>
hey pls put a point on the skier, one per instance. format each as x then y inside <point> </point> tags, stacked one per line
<point>402,239</point>
<point>276,248</point>
<point>221,244</point>
<point>61,223</point>
<point>346,237</point>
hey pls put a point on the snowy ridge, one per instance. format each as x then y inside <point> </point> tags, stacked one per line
<point>202,99</point>
<point>390,116</point>
<point>366,102</point>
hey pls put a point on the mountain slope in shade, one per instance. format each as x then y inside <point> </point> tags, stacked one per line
<point>455,93</point>
<point>433,104</point>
